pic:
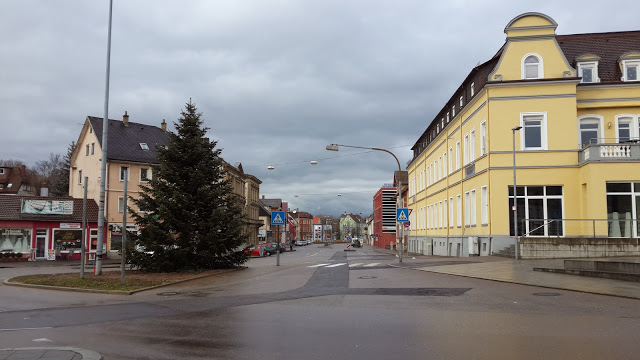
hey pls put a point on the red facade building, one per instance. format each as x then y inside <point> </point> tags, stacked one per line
<point>384,217</point>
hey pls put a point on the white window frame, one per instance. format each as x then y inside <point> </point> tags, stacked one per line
<point>472,88</point>
<point>80,177</point>
<point>444,164</point>
<point>634,126</point>
<point>467,210</point>
<point>459,209</point>
<point>630,63</point>
<point>453,111</point>
<point>593,65</point>
<point>148,174</point>
<point>444,214</point>
<point>450,161</point>
<point>128,173</point>
<point>472,145</point>
<point>447,116</point>
<point>440,168</point>
<point>120,203</point>
<point>540,67</point>
<point>483,138</point>
<point>465,158</point>
<point>435,216</point>
<point>472,206</point>
<point>543,130</point>
<point>461,101</point>
<point>591,118</point>
<point>458,155</point>
<point>451,212</point>
<point>484,205</point>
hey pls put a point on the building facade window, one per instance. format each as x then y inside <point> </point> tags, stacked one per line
<point>451,212</point>
<point>467,210</point>
<point>472,145</point>
<point>630,70</point>
<point>121,204</point>
<point>627,128</point>
<point>472,195</point>
<point>444,214</point>
<point>532,67</point>
<point>588,71</point>
<point>533,135</point>
<point>123,170</point>
<point>461,104</point>
<point>93,148</point>
<point>540,210</point>
<point>440,173</point>
<point>457,155</point>
<point>145,174</point>
<point>484,206</point>
<point>465,159</point>
<point>453,111</point>
<point>472,89</point>
<point>86,152</point>
<point>459,210</point>
<point>483,138</point>
<point>79,177</point>
<point>623,209</point>
<point>590,129</point>
<point>444,164</point>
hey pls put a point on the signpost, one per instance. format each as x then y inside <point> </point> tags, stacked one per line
<point>402,215</point>
<point>277,218</point>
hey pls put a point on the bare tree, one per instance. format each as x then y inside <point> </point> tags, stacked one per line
<point>11,163</point>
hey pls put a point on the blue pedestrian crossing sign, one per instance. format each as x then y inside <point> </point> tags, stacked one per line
<point>402,215</point>
<point>277,218</point>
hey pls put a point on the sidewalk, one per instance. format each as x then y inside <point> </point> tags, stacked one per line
<point>518,272</point>
<point>49,354</point>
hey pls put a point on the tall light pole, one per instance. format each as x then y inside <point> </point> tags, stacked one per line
<point>103,165</point>
<point>515,199</point>
<point>335,147</point>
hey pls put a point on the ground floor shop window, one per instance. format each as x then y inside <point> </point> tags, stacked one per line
<point>623,209</point>
<point>15,240</point>
<point>67,239</point>
<point>540,210</point>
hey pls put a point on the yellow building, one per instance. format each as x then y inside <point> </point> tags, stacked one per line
<point>570,106</point>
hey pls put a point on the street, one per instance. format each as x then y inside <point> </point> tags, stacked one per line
<point>325,303</point>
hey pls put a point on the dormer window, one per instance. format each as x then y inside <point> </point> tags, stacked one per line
<point>588,71</point>
<point>472,88</point>
<point>630,70</point>
<point>453,111</point>
<point>1,171</point>
<point>532,67</point>
<point>144,146</point>
<point>460,102</point>
<point>447,117</point>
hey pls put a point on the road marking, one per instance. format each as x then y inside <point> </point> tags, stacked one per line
<point>372,264</point>
<point>312,255</point>
<point>334,265</point>
<point>356,264</point>
<point>18,329</point>
<point>318,265</point>
<point>42,340</point>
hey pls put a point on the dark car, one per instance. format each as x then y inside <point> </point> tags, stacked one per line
<point>356,243</point>
<point>274,247</point>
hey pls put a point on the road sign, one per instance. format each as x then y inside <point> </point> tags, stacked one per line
<point>277,218</point>
<point>402,215</point>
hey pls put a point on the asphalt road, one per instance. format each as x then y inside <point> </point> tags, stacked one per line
<point>324,303</point>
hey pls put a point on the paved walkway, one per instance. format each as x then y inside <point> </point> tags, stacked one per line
<point>48,354</point>
<point>520,272</point>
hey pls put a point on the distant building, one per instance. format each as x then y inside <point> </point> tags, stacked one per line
<point>384,217</point>
<point>14,181</point>
<point>246,189</point>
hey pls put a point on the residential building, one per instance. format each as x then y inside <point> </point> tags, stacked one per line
<point>384,217</point>
<point>14,181</point>
<point>568,107</point>
<point>351,225</point>
<point>246,189</point>
<point>304,222</point>
<point>131,151</point>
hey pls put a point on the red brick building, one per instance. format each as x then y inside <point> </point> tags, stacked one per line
<point>384,216</point>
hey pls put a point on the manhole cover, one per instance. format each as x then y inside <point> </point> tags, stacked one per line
<point>367,277</point>
<point>547,294</point>
<point>168,293</point>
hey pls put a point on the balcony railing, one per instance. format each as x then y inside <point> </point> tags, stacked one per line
<point>600,228</point>
<point>610,150</point>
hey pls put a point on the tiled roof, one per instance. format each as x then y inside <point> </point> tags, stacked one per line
<point>272,203</point>
<point>124,141</point>
<point>10,209</point>
<point>608,46</point>
<point>14,175</point>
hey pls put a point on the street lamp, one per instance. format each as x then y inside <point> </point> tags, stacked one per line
<point>515,199</point>
<point>335,147</point>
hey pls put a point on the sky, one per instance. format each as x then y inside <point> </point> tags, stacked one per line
<point>275,80</point>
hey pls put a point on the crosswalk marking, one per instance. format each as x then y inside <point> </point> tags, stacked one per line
<point>372,264</point>
<point>318,265</point>
<point>334,265</point>
<point>356,264</point>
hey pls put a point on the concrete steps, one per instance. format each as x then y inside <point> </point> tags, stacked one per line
<point>508,252</point>
<point>618,269</point>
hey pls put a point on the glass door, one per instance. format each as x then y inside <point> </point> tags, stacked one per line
<point>41,243</point>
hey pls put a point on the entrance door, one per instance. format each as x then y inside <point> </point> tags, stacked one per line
<point>41,243</point>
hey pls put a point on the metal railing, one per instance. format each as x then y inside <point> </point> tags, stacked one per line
<point>596,228</point>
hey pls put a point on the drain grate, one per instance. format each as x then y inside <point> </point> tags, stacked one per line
<point>547,294</point>
<point>367,277</point>
<point>168,293</point>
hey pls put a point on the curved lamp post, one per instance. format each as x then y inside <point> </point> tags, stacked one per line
<point>335,147</point>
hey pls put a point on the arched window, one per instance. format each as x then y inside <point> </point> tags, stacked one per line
<point>532,67</point>
<point>590,128</point>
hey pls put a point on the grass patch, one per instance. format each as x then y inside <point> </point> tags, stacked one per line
<point>109,280</point>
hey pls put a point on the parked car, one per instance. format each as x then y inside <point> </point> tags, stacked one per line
<point>270,248</point>
<point>254,250</point>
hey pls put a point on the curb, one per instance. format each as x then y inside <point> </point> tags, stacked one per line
<point>114,292</point>
<point>86,354</point>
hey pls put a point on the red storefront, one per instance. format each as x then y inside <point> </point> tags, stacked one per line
<point>46,227</point>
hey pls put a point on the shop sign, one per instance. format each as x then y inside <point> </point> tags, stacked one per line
<point>51,254</point>
<point>57,207</point>
<point>70,226</point>
<point>14,232</point>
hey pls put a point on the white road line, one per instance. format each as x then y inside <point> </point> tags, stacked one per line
<point>356,264</point>
<point>372,264</point>
<point>18,329</point>
<point>312,255</point>
<point>334,265</point>
<point>318,265</point>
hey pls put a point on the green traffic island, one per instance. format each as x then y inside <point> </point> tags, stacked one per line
<point>110,281</point>
<point>12,257</point>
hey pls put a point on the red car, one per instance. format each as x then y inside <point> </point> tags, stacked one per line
<point>256,250</point>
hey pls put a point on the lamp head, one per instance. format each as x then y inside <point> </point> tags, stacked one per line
<point>332,147</point>
<point>517,128</point>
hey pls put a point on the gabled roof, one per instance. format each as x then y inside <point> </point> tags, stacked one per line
<point>272,203</point>
<point>10,209</point>
<point>12,179</point>
<point>124,141</point>
<point>608,46</point>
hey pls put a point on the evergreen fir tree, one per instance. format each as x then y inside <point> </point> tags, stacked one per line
<point>60,180</point>
<point>189,220</point>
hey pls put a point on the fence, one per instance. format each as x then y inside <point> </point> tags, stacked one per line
<point>596,228</point>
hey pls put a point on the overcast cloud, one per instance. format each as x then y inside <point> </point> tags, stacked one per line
<point>275,80</point>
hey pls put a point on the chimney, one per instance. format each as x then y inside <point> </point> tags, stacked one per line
<point>44,191</point>
<point>125,119</point>
<point>263,196</point>
<point>164,125</point>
